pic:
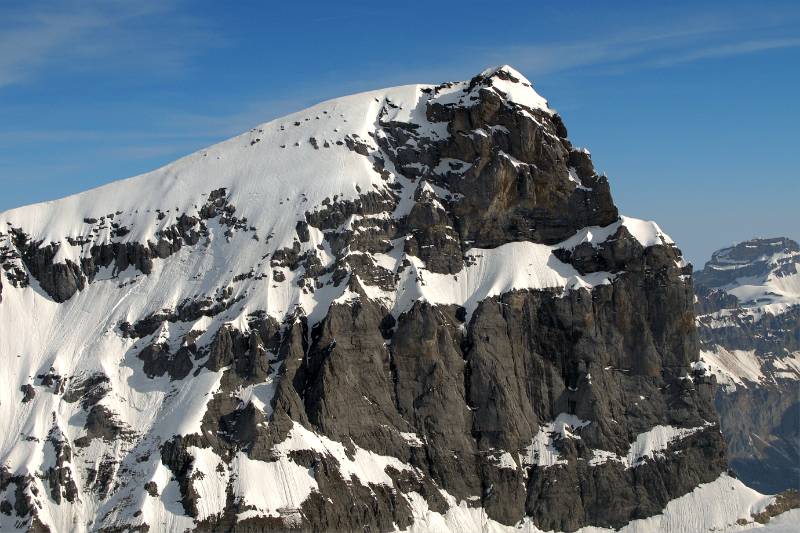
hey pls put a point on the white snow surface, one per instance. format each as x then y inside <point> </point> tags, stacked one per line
<point>733,367</point>
<point>211,477</point>
<point>289,484</point>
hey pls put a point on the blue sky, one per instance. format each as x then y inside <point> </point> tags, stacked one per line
<point>691,108</point>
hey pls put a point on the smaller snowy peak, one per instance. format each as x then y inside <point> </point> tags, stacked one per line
<point>758,273</point>
<point>753,251</point>
<point>506,73</point>
<point>504,81</point>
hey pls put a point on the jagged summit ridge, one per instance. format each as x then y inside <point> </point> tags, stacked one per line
<point>333,121</point>
<point>407,301</point>
<point>281,173</point>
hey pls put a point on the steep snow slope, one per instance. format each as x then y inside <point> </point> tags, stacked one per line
<point>307,319</point>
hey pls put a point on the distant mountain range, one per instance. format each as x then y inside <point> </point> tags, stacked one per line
<point>748,305</point>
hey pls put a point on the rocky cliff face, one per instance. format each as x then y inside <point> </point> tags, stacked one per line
<point>748,303</point>
<point>407,309</point>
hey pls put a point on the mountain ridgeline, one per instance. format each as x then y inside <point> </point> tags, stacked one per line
<point>413,309</point>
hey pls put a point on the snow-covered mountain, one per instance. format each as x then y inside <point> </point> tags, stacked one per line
<point>749,323</point>
<point>412,309</point>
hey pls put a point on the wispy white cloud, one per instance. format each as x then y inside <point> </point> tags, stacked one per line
<point>728,50</point>
<point>170,127</point>
<point>38,36</point>
<point>684,40</point>
<point>26,48</point>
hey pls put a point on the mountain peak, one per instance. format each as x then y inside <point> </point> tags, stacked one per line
<point>415,301</point>
<point>505,72</point>
<point>512,85</point>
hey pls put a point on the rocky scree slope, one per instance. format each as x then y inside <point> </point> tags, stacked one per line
<point>410,309</point>
<point>748,304</point>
